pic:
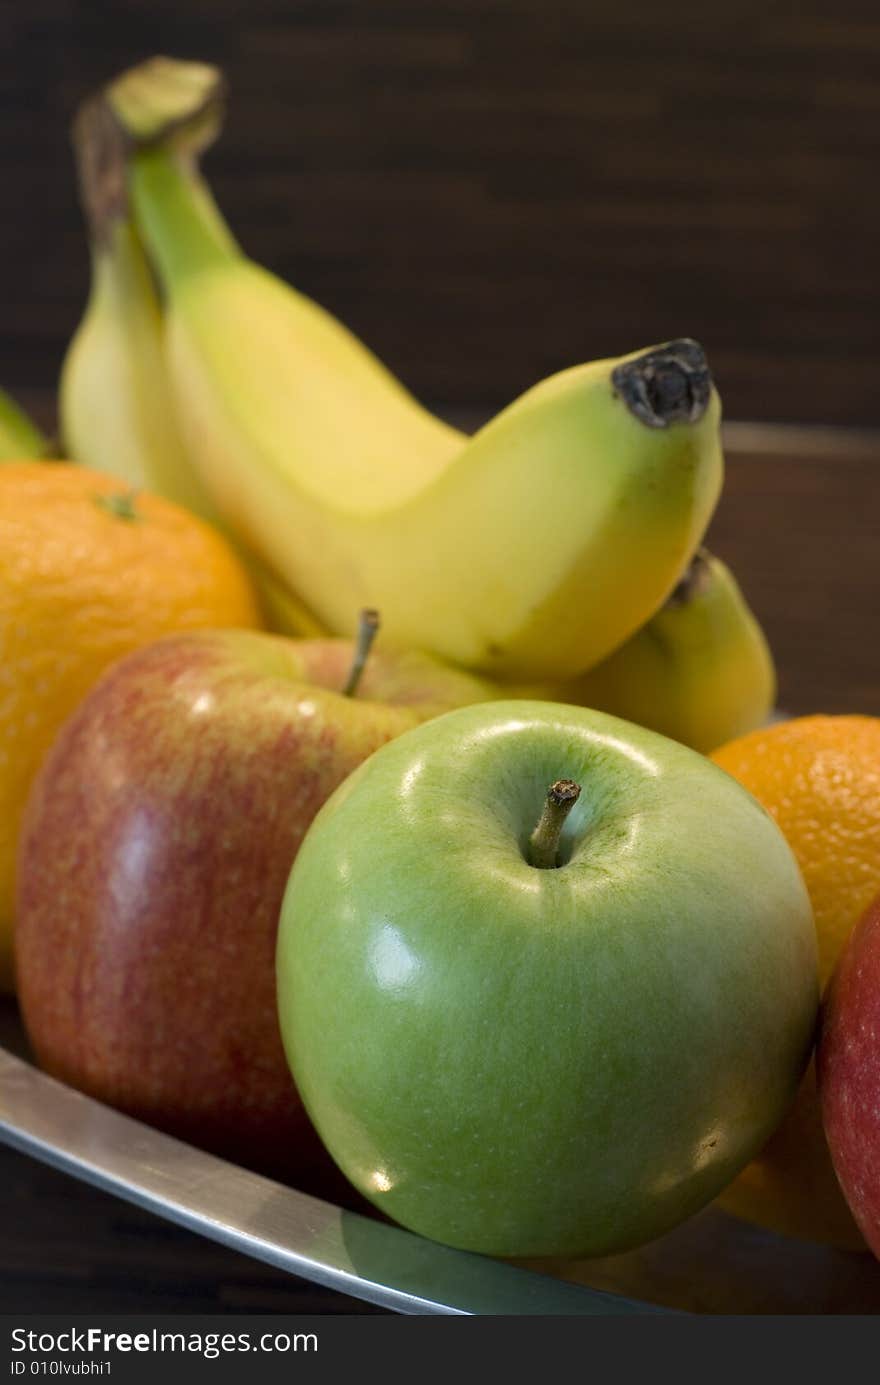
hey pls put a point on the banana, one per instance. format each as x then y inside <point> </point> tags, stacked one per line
<point>20,438</point>
<point>700,670</point>
<point>116,406</point>
<point>530,550</point>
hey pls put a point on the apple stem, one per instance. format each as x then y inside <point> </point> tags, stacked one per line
<point>368,626</point>
<point>544,841</point>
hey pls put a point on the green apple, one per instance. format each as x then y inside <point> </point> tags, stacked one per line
<point>524,1046</point>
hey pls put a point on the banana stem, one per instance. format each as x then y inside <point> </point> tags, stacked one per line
<point>175,216</point>
<point>368,627</point>
<point>103,145</point>
<point>179,107</point>
<point>544,841</point>
<point>668,384</point>
<point>167,99</point>
<point>99,152</point>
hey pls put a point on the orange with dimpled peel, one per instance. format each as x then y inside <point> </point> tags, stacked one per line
<point>88,572</point>
<point>819,777</point>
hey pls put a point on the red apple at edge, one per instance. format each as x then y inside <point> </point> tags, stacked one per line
<point>157,843</point>
<point>848,1072</point>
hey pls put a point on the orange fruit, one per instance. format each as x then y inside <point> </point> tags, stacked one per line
<point>819,777</point>
<point>88,572</point>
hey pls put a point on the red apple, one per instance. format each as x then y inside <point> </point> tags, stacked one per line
<point>157,843</point>
<point>848,1071</point>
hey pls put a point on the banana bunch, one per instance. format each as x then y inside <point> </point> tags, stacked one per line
<point>541,548</point>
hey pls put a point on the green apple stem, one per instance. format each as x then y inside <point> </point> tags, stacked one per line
<point>544,841</point>
<point>368,627</point>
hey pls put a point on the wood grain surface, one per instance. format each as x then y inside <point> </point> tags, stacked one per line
<point>798,522</point>
<point>490,190</point>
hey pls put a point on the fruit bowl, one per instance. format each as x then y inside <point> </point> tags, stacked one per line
<point>789,492</point>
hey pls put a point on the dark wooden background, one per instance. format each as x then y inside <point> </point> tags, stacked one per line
<point>489,190</point>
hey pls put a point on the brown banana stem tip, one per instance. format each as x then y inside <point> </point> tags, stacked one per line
<point>671,384</point>
<point>99,151</point>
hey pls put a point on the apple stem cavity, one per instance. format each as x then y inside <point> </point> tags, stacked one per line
<point>368,627</point>
<point>544,841</point>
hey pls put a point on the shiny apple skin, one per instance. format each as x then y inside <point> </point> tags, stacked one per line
<point>544,1062</point>
<point>156,846</point>
<point>848,1073</point>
